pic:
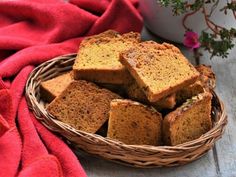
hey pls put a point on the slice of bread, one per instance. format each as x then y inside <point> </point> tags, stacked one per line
<point>207,76</point>
<point>189,121</point>
<point>167,102</point>
<point>134,92</point>
<point>50,89</point>
<point>133,123</point>
<point>82,105</point>
<point>98,57</point>
<point>206,81</point>
<point>188,92</point>
<point>159,69</point>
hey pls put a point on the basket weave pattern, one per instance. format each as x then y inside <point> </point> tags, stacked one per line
<point>133,155</point>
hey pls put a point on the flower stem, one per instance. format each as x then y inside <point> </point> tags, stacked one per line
<point>215,28</point>
<point>197,56</point>
<point>186,17</point>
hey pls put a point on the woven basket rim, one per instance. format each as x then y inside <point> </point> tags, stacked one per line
<point>45,117</point>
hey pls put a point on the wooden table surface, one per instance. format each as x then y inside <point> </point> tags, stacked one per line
<point>218,162</point>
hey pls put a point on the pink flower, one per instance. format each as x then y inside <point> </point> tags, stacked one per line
<point>191,40</point>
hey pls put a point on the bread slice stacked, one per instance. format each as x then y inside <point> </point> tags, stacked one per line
<point>83,105</point>
<point>52,88</point>
<point>159,69</point>
<point>188,121</point>
<point>207,76</point>
<point>132,91</point>
<point>136,93</point>
<point>98,59</point>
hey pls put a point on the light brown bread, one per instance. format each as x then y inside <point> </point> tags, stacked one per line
<point>82,105</point>
<point>134,123</point>
<point>98,57</point>
<point>50,89</point>
<point>167,102</point>
<point>159,69</point>
<point>189,121</point>
<point>134,92</point>
<point>206,81</point>
<point>188,92</point>
<point>207,76</point>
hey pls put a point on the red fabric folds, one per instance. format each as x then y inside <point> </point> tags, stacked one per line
<point>31,32</point>
<point>36,161</point>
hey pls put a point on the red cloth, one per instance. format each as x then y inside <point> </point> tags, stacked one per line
<point>31,32</point>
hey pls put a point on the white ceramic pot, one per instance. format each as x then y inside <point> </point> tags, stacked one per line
<point>160,20</point>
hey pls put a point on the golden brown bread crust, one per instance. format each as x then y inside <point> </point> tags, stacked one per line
<point>188,121</point>
<point>50,89</point>
<point>115,76</point>
<point>99,38</point>
<point>136,93</point>
<point>207,76</point>
<point>92,39</point>
<point>188,92</point>
<point>132,36</point>
<point>107,35</point>
<point>206,81</point>
<point>168,102</point>
<point>82,105</point>
<point>160,59</point>
<point>98,58</point>
<point>134,123</point>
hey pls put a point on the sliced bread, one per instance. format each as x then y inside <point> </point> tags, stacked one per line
<point>82,105</point>
<point>189,121</point>
<point>188,92</point>
<point>98,57</point>
<point>134,92</point>
<point>50,89</point>
<point>159,69</point>
<point>133,123</point>
<point>207,76</point>
<point>167,102</point>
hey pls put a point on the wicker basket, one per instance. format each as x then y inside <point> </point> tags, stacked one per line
<point>132,155</point>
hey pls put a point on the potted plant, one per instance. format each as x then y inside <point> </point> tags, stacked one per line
<point>210,24</point>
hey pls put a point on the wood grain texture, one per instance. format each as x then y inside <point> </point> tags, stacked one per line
<point>219,162</point>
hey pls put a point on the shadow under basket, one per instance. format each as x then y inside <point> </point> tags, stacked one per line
<point>143,156</point>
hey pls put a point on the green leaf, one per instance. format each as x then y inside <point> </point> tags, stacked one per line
<point>216,44</point>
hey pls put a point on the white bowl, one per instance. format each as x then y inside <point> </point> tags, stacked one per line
<point>160,20</point>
